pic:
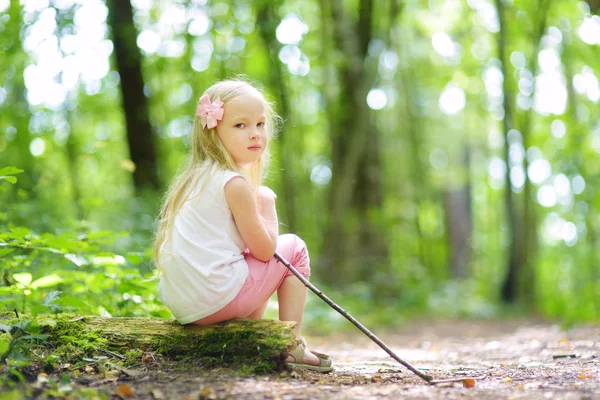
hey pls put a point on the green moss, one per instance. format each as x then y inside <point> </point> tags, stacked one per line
<point>253,346</point>
<point>72,339</point>
<point>133,356</point>
<point>246,348</point>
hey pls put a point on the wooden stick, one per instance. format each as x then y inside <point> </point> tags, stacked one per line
<point>350,318</point>
<point>438,381</point>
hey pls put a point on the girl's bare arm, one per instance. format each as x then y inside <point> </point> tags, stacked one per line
<point>257,223</point>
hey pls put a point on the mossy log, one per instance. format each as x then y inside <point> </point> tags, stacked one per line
<point>259,344</point>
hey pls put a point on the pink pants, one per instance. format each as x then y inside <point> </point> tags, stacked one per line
<point>264,278</point>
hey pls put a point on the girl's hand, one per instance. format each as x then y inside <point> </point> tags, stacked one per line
<point>265,194</point>
<point>266,202</point>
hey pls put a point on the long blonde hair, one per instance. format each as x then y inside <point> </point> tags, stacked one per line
<point>207,151</point>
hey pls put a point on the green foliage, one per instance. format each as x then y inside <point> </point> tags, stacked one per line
<point>7,173</point>
<point>16,342</point>
<point>82,277</point>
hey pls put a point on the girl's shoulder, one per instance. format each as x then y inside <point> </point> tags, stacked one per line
<point>218,174</point>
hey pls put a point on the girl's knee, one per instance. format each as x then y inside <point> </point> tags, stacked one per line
<point>296,248</point>
<point>291,240</point>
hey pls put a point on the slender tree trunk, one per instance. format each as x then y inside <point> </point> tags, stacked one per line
<point>509,286</point>
<point>135,104</point>
<point>267,21</point>
<point>354,145</point>
<point>17,58</point>
<point>527,281</point>
<point>594,6</point>
<point>459,224</point>
<point>72,161</point>
<point>418,183</point>
<point>578,135</point>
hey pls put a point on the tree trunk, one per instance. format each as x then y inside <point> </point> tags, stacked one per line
<point>261,343</point>
<point>509,289</point>
<point>267,21</point>
<point>457,202</point>
<point>519,283</point>
<point>353,245</point>
<point>135,104</point>
<point>417,175</point>
<point>578,134</point>
<point>594,6</point>
<point>527,279</point>
<point>72,161</point>
<point>16,60</point>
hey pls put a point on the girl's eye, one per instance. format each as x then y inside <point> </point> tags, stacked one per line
<point>240,125</point>
<point>261,124</point>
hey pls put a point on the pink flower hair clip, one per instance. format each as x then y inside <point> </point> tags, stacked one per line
<point>210,113</point>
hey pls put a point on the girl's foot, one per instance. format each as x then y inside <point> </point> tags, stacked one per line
<point>309,358</point>
<point>300,357</point>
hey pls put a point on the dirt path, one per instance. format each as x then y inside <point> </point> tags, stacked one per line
<point>517,360</point>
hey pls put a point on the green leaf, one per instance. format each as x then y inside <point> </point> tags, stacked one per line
<point>23,278</point>
<point>5,252</point>
<point>3,346</point>
<point>22,324</point>
<point>33,327</point>
<point>9,179</point>
<point>134,258</point>
<point>46,281</point>
<point>20,232</point>
<point>10,171</point>
<point>52,296</point>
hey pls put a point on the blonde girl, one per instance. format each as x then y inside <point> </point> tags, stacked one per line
<point>218,227</point>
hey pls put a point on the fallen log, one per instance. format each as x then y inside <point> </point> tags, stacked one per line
<point>259,344</point>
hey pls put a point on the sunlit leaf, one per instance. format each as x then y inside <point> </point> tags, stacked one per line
<point>3,345</point>
<point>10,171</point>
<point>6,171</point>
<point>23,278</point>
<point>20,232</point>
<point>134,258</point>
<point>46,281</point>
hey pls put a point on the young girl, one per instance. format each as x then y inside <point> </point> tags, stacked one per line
<point>218,227</point>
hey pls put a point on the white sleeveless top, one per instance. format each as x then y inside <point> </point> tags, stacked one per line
<point>203,267</point>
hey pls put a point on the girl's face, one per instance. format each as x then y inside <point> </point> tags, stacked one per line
<point>242,129</point>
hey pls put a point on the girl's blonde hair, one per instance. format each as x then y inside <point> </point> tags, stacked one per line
<point>207,152</point>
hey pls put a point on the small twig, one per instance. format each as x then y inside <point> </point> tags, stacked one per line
<point>16,312</point>
<point>554,357</point>
<point>112,353</point>
<point>437,381</point>
<point>427,378</point>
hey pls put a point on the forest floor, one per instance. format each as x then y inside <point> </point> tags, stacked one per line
<point>515,359</point>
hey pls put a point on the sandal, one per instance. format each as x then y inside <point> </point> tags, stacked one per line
<point>325,364</point>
